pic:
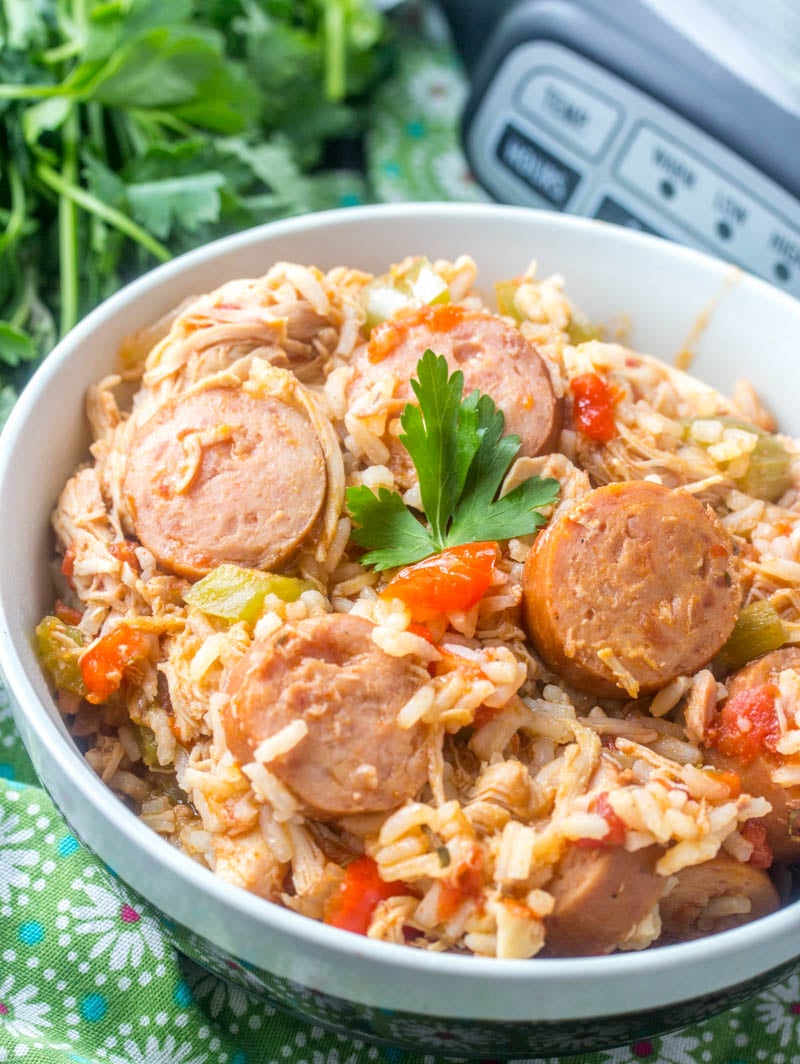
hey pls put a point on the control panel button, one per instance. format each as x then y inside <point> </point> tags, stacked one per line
<point>785,252</point>
<point>707,203</point>
<point>608,210</point>
<point>577,115</point>
<point>546,175</point>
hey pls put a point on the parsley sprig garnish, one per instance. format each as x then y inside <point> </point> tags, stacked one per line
<point>461,457</point>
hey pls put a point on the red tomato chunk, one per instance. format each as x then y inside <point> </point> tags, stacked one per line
<point>455,579</point>
<point>594,407</point>
<point>104,663</point>
<point>351,907</point>
<point>616,827</point>
<point>748,724</point>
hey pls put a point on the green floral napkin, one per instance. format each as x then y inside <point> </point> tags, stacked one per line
<point>88,974</point>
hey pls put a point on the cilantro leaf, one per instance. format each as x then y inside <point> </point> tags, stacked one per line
<point>462,457</point>
<point>135,129</point>
<point>389,527</point>
<point>16,346</point>
<point>193,199</point>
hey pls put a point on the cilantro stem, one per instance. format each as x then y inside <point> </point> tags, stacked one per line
<point>21,313</point>
<point>23,309</point>
<point>97,227</point>
<point>67,50</point>
<point>16,217</point>
<point>68,226</point>
<point>335,50</point>
<point>152,120</point>
<point>29,92</point>
<point>93,205</point>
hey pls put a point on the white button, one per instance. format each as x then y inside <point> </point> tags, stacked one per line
<point>575,114</point>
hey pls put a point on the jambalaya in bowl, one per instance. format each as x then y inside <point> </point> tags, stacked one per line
<point>438,616</point>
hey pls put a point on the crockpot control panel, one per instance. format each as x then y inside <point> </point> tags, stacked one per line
<point>553,128</point>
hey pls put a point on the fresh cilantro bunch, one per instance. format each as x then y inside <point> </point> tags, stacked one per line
<point>461,457</point>
<point>133,130</point>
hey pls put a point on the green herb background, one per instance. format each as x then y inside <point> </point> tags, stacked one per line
<point>133,130</point>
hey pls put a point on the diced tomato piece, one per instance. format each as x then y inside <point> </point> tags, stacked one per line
<point>422,631</point>
<point>386,336</point>
<point>755,832</point>
<point>466,881</point>
<point>68,565</point>
<point>616,826</point>
<point>104,663</point>
<point>351,906</point>
<point>455,579</point>
<point>125,551</point>
<point>67,614</point>
<point>594,407</point>
<point>747,724</point>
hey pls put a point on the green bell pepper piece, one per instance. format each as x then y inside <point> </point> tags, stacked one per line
<point>236,594</point>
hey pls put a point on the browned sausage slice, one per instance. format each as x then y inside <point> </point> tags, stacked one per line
<point>763,670</point>
<point>783,833</point>
<point>492,354</point>
<point>601,894</point>
<point>222,476</point>
<point>629,588</point>
<point>328,672</point>
<point>696,905</point>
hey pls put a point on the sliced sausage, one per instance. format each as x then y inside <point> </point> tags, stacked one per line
<point>494,357</point>
<point>783,832</point>
<point>631,587</point>
<point>328,672</point>
<point>220,475</point>
<point>763,670</point>
<point>601,894</point>
<point>707,896</point>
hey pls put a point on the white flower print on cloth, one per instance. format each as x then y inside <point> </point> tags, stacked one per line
<point>438,91</point>
<point>21,1015</point>
<point>678,1049</point>
<point>465,1040</point>
<point>214,994</point>
<point>13,858</point>
<point>123,931</point>
<point>454,175</point>
<point>201,955</point>
<point>778,1010</point>
<point>328,1056</point>
<point>152,1052</point>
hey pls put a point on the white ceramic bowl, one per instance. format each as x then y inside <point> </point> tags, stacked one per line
<point>737,326</point>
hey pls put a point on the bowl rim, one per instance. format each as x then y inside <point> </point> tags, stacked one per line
<point>333,944</point>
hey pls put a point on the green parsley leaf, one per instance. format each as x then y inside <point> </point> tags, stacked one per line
<point>461,456</point>
<point>16,346</point>
<point>388,526</point>
<point>192,200</point>
<point>131,130</point>
<point>431,437</point>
